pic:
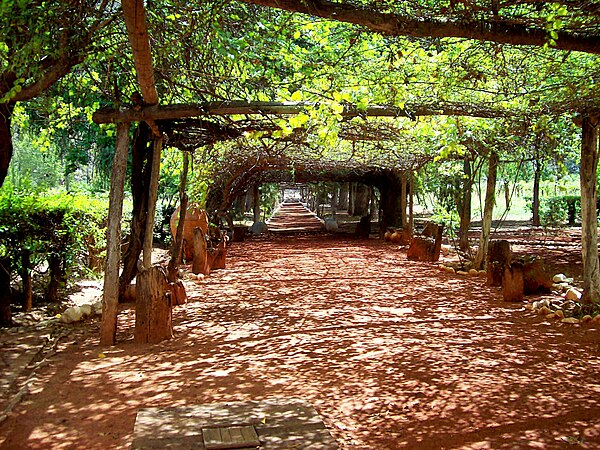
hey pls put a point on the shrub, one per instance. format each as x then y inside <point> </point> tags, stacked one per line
<point>560,211</point>
<point>62,232</point>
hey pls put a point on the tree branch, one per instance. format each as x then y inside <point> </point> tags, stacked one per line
<point>493,30</point>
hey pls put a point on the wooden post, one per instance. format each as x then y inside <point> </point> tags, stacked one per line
<point>411,202</point>
<point>490,198</point>
<point>152,196</point>
<point>218,256</point>
<point>153,321</point>
<point>178,238</point>
<point>403,220</point>
<point>513,282</point>
<point>256,202</point>
<point>200,262</point>
<point>110,299</point>
<point>589,216</point>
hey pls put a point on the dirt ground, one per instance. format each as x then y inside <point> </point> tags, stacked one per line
<point>391,353</point>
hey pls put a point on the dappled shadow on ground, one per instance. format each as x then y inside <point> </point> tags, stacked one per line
<point>392,354</point>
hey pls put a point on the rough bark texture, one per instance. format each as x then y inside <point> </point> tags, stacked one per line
<point>411,202</point>
<point>6,146</point>
<point>490,198</point>
<point>153,319</point>
<point>392,24</point>
<point>110,302</point>
<point>5,297</point>
<point>361,200</point>
<point>464,207</point>
<point>403,199</point>
<point>535,206</point>
<point>177,246</point>
<point>57,277</point>
<point>27,281</point>
<point>343,197</point>
<point>137,30</point>
<point>256,202</point>
<point>351,198</point>
<point>152,196</point>
<point>141,169</point>
<point>589,216</point>
<point>234,107</point>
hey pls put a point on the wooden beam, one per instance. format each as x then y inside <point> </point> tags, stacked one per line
<point>393,24</point>
<point>240,107</point>
<point>137,29</point>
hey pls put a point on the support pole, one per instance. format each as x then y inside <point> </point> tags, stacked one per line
<point>490,200</point>
<point>403,194</point>
<point>110,301</point>
<point>152,196</point>
<point>589,216</point>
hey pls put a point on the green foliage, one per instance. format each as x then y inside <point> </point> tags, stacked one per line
<point>560,211</point>
<point>68,227</point>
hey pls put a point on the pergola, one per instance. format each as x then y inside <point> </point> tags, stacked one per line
<point>190,126</point>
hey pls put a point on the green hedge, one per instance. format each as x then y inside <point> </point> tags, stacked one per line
<point>560,211</point>
<point>60,233</point>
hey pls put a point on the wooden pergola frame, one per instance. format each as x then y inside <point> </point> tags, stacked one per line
<point>151,111</point>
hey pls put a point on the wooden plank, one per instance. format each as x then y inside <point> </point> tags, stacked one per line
<point>232,437</point>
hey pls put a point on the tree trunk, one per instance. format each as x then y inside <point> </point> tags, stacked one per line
<point>535,206</point>
<point>137,29</point>
<point>256,202</point>
<point>153,319</point>
<point>27,281</point>
<point>411,202</point>
<point>589,216</point>
<point>372,203</point>
<point>343,197</point>
<point>152,196</point>
<point>110,302</point>
<point>403,197</point>
<point>6,146</point>
<point>200,263</point>
<point>177,246</point>
<point>351,197</point>
<point>361,200</point>
<point>390,203</point>
<point>5,297</point>
<point>464,207</point>
<point>490,198</point>
<point>141,171</point>
<point>57,277</point>
<point>334,199</point>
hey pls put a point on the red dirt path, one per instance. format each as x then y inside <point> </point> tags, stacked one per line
<point>392,354</point>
